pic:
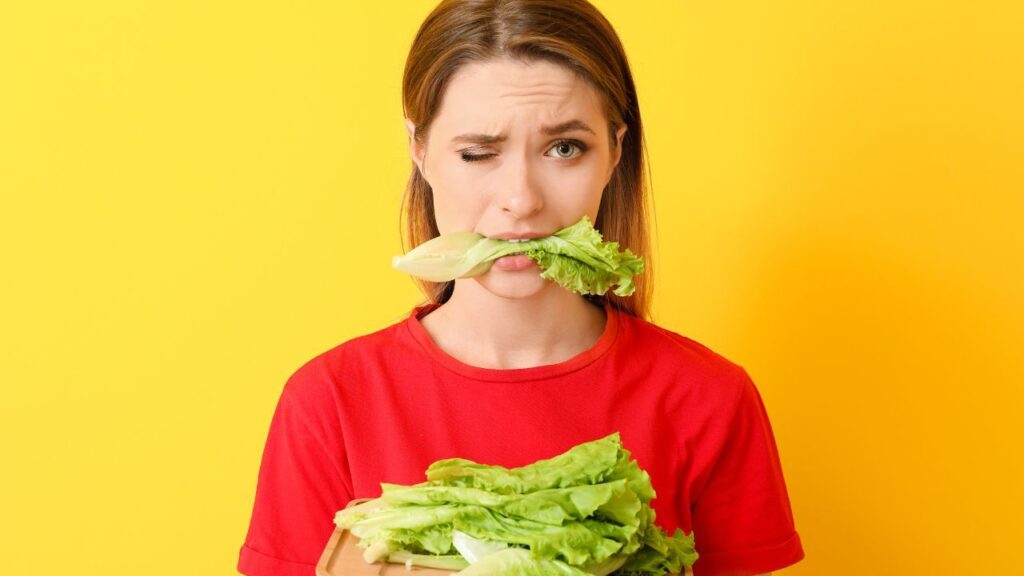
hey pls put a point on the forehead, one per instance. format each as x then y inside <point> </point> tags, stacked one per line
<point>500,95</point>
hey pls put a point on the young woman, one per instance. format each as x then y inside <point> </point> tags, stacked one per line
<point>522,117</point>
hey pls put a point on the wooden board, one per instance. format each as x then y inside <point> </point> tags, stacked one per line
<point>343,557</point>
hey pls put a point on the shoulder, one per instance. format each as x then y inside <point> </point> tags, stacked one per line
<point>695,366</point>
<point>316,381</point>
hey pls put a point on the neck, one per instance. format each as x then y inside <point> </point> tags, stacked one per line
<point>486,330</point>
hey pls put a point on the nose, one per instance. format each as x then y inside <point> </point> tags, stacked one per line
<point>522,195</point>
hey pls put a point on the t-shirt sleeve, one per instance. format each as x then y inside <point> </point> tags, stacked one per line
<point>742,521</point>
<point>302,481</point>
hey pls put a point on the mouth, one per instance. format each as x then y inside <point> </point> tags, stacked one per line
<point>518,237</point>
<point>514,262</point>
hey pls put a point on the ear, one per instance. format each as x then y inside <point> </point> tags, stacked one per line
<point>416,151</point>
<point>618,148</point>
<point>618,144</point>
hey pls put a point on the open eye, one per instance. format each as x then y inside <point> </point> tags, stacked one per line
<point>561,144</point>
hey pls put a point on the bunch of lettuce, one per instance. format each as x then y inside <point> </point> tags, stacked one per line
<point>582,513</point>
<point>575,257</point>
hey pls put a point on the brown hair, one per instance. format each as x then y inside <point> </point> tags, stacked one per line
<point>571,33</point>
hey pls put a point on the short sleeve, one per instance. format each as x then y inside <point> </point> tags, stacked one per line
<point>301,483</point>
<point>742,521</point>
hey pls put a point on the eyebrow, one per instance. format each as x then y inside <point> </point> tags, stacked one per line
<point>569,126</point>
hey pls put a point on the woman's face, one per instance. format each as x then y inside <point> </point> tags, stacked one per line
<point>516,150</point>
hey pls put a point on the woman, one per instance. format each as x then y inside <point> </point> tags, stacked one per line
<point>522,118</point>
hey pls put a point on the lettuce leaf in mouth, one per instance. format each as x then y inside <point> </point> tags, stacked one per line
<point>576,257</point>
<point>586,511</point>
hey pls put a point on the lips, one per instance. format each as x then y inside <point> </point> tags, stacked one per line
<point>517,235</point>
<point>514,262</point>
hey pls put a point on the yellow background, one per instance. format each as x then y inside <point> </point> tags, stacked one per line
<point>200,196</point>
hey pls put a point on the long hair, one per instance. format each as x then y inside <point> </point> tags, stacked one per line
<point>570,33</point>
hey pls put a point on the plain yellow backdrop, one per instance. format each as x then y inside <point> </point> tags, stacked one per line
<point>198,197</point>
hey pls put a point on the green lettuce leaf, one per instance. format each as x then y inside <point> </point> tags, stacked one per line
<point>586,511</point>
<point>587,463</point>
<point>550,506</point>
<point>576,257</point>
<point>518,562</point>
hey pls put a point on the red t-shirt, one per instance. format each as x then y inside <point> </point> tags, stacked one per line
<point>383,406</point>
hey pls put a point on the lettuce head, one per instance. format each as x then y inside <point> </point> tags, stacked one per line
<point>585,512</point>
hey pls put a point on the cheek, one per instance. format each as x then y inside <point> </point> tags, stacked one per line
<point>458,202</point>
<point>571,203</point>
<point>582,189</point>
<point>588,174</point>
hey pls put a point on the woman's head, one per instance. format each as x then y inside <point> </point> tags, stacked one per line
<point>549,80</point>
